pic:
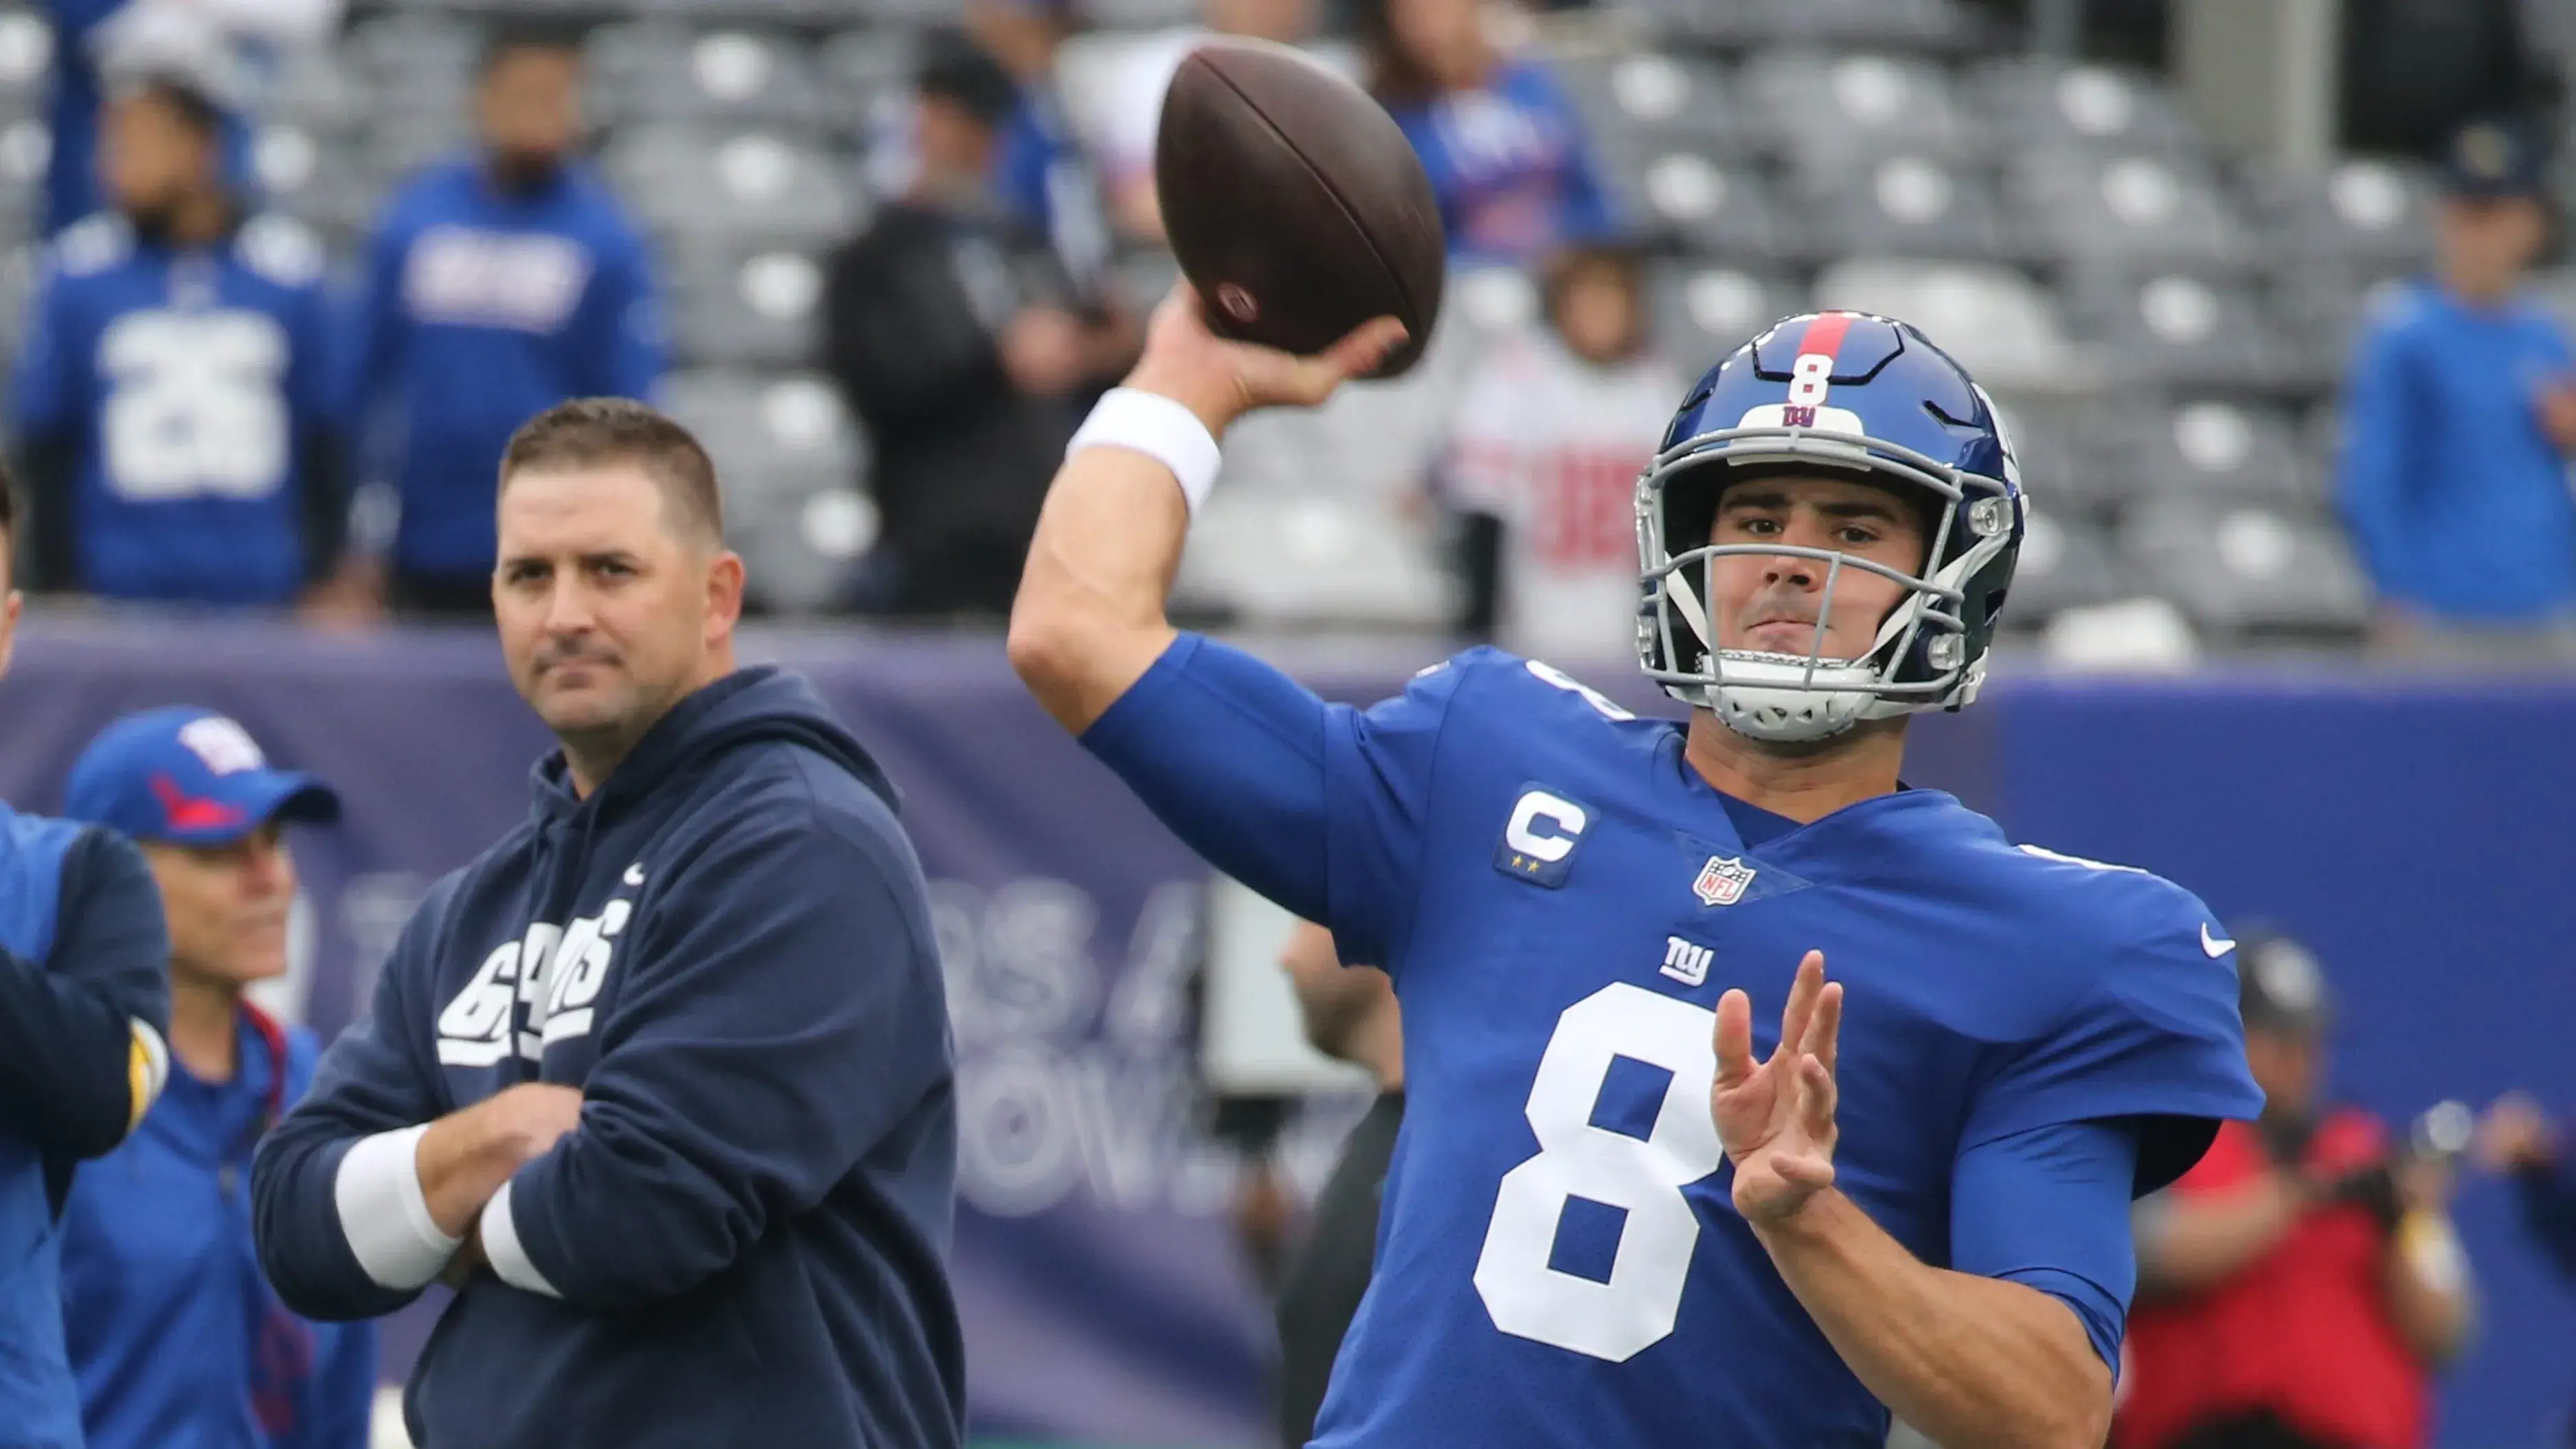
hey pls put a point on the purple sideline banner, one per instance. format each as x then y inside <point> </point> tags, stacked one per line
<point>1104,1299</point>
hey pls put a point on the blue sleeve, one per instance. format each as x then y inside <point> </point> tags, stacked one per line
<point>315,370</point>
<point>379,1076</point>
<point>2155,1036</point>
<point>374,329</point>
<point>2371,476</point>
<point>2049,1209</point>
<point>785,1018</point>
<point>74,19</point>
<point>77,1068</point>
<point>2548,1196</point>
<point>1320,807</point>
<point>50,398</point>
<point>621,331</point>
<point>1020,165</point>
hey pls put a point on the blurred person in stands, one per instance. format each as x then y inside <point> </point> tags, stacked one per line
<point>1506,149</point>
<point>1133,110</point>
<point>89,34</point>
<point>2460,419</point>
<point>955,333</point>
<point>1351,1015</point>
<point>498,284</point>
<point>175,1336</point>
<point>1543,463</point>
<point>2297,1289</point>
<point>176,400</point>
<point>84,1008</point>
<point>2517,1138</point>
<point>1038,173</point>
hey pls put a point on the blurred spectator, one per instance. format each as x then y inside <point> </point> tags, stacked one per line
<point>175,394</point>
<point>1503,142</point>
<point>1133,111</point>
<point>497,285</point>
<point>955,333</point>
<point>2459,417</point>
<point>2516,1137</point>
<point>1038,172</point>
<point>1544,458</point>
<point>90,34</point>
<point>1351,1015</point>
<point>2297,1288</point>
<point>174,1332</point>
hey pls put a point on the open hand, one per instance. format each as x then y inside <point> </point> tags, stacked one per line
<point>1221,380</point>
<point>2514,1134</point>
<point>1776,1118</point>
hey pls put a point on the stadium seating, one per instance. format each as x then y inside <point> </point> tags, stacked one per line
<point>2159,325</point>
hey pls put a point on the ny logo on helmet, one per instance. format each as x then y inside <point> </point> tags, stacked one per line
<point>1722,881</point>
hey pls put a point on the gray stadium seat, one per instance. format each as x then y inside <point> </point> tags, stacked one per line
<point>744,306</point>
<point>315,179</point>
<point>1269,557</point>
<point>26,150</point>
<point>2079,206</point>
<point>2222,449</point>
<point>1997,322</point>
<point>791,460</point>
<point>1639,103</point>
<point>1830,110</point>
<point>2179,330</point>
<point>2089,106</point>
<point>1701,201</point>
<point>648,73</point>
<point>26,65</point>
<point>415,53</point>
<point>1925,25</point>
<point>315,90</point>
<point>1902,206</point>
<point>753,186</point>
<point>1143,277</point>
<point>1702,312</point>
<point>2321,309</point>
<point>2066,562</point>
<point>862,74</point>
<point>2364,216</point>
<point>2074,453</point>
<point>2249,569</point>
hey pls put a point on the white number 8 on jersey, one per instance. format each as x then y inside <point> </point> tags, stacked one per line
<point>1636,1308</point>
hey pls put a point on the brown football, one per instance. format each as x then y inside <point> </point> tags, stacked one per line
<point>1295,205</point>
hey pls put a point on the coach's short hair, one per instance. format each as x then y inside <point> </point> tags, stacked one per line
<point>594,432</point>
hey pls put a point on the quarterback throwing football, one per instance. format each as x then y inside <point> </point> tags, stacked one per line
<point>1622,1212</point>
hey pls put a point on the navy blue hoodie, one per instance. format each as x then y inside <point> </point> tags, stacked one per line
<point>728,948</point>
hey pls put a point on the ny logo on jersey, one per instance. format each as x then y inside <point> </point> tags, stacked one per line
<point>1722,881</point>
<point>554,972</point>
<point>1539,839</point>
<point>1687,962</point>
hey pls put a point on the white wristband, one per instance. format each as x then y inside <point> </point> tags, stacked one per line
<point>1161,429</point>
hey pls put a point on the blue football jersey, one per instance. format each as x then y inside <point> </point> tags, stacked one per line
<point>185,382</point>
<point>1561,899</point>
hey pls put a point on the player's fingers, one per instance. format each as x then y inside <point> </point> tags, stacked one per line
<point>1353,356</point>
<point>1818,1098</point>
<point>1824,1032</point>
<point>1734,1039</point>
<point>1809,985</point>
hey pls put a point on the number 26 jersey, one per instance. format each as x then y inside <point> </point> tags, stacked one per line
<point>1561,899</point>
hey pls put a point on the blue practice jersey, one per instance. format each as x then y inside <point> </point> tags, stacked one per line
<point>1561,900</point>
<point>187,386</point>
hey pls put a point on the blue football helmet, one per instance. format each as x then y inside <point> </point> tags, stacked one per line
<point>1841,394</point>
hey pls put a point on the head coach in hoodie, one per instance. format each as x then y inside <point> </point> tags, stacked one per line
<point>661,1082</point>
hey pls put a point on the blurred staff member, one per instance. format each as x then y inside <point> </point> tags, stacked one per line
<point>498,285</point>
<point>2297,1288</point>
<point>1505,147</point>
<point>175,1336</point>
<point>83,1009</point>
<point>2460,418</point>
<point>1351,1014</point>
<point>2517,1137</point>
<point>175,393</point>
<point>1038,173</point>
<point>88,34</point>
<point>952,330</point>
<point>1543,461</point>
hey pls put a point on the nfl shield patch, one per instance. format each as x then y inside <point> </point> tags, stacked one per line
<point>1722,881</point>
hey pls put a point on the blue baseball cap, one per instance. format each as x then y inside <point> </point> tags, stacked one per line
<point>188,776</point>
<point>2494,159</point>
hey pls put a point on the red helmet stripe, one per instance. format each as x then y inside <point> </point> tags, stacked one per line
<point>1825,335</point>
